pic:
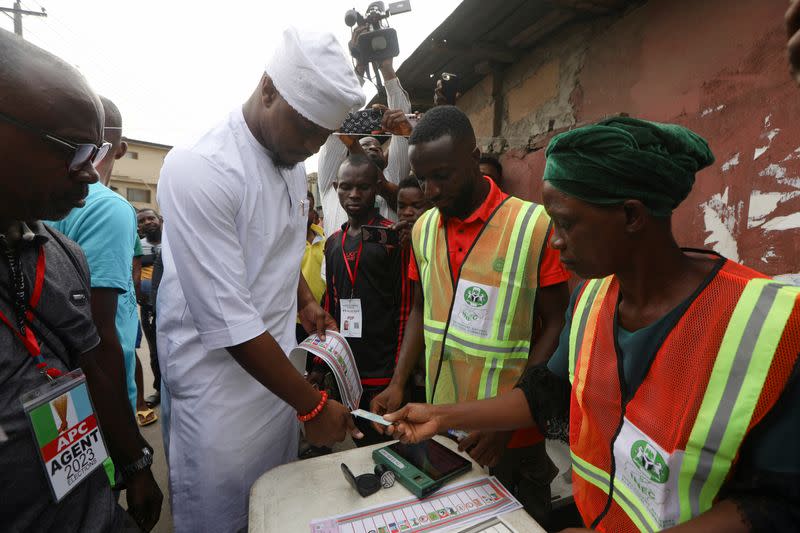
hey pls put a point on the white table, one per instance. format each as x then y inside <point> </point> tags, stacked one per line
<point>288,498</point>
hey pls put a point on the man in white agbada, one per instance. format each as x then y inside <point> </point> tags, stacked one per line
<point>234,206</point>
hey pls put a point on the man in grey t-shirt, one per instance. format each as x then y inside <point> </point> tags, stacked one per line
<point>51,124</point>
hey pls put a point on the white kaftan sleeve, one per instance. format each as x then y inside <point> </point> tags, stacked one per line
<point>398,165</point>
<point>331,156</point>
<point>199,203</point>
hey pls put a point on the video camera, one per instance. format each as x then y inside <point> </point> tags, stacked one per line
<point>380,42</point>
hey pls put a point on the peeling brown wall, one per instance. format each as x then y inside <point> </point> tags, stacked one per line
<point>717,67</point>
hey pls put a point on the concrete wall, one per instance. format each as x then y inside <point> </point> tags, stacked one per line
<point>715,66</point>
<point>139,172</point>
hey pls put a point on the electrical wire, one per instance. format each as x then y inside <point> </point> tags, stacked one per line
<point>102,65</point>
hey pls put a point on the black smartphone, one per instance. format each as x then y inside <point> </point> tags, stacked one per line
<point>363,122</point>
<point>380,235</point>
<point>450,87</point>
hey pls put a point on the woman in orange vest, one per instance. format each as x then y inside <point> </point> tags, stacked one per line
<point>675,380</point>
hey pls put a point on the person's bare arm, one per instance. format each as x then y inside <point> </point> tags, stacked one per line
<point>264,359</point>
<point>111,360</point>
<point>417,421</point>
<point>388,191</point>
<point>104,367</point>
<point>487,447</point>
<point>413,340</point>
<point>551,304</point>
<point>723,517</point>
<point>413,345</point>
<point>137,278</point>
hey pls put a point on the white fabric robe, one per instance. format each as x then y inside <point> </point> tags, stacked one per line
<point>234,236</point>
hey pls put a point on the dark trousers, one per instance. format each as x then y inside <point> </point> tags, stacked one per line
<point>149,328</point>
<point>371,436</point>
<point>527,472</point>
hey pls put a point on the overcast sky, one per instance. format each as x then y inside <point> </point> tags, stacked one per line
<point>176,67</point>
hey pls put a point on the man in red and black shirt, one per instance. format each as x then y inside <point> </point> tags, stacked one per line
<point>411,203</point>
<point>364,284</point>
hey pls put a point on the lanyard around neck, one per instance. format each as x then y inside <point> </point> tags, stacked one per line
<point>351,273</point>
<point>25,310</point>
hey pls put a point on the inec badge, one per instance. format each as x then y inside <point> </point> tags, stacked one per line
<point>473,308</point>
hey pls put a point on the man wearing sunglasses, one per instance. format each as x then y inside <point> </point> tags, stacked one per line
<point>51,126</point>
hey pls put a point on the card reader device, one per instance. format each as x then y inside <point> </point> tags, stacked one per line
<point>422,468</point>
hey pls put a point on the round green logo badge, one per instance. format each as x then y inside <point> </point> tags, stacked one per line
<point>649,461</point>
<point>475,296</point>
<point>498,264</point>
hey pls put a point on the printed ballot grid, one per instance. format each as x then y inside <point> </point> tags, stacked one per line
<point>457,505</point>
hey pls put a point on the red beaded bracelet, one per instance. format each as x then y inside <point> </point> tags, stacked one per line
<point>322,401</point>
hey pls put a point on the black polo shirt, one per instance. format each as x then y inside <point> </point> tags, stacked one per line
<point>64,328</point>
<point>379,287</point>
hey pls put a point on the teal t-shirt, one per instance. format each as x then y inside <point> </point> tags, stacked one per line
<point>765,447</point>
<point>105,228</point>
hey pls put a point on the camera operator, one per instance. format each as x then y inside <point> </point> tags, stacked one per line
<point>394,168</point>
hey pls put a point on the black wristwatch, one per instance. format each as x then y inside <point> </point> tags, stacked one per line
<point>143,462</point>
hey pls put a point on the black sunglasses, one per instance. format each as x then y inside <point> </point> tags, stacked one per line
<point>80,153</point>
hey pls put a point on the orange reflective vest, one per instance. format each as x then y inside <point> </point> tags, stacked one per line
<point>660,458</point>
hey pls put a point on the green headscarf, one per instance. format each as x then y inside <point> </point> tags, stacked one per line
<point>625,158</point>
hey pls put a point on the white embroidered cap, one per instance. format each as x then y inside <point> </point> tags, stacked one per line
<point>312,74</point>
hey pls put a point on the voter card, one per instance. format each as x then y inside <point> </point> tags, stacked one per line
<point>350,319</point>
<point>66,431</point>
<point>457,434</point>
<point>372,417</point>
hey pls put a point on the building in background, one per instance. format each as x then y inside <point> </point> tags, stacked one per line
<point>532,68</point>
<point>135,175</point>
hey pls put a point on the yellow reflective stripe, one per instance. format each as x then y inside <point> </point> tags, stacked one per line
<point>627,501</point>
<point>530,237</point>
<point>490,378</point>
<point>737,379</point>
<point>429,243</point>
<point>505,290</point>
<point>518,350</point>
<point>519,248</point>
<point>589,326</point>
<point>479,346</point>
<point>578,324</point>
<point>424,256</point>
<point>754,378</point>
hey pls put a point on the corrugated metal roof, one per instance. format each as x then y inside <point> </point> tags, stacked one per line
<point>479,32</point>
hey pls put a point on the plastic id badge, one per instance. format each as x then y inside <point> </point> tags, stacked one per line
<point>351,321</point>
<point>66,431</point>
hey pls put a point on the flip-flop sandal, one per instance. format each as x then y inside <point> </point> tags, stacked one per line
<point>145,417</point>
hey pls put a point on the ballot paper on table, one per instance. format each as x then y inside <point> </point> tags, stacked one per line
<point>337,354</point>
<point>454,506</point>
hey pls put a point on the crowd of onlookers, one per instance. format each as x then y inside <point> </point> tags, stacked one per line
<point>447,289</point>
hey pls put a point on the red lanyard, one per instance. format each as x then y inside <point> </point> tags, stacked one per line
<point>351,273</point>
<point>29,339</point>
